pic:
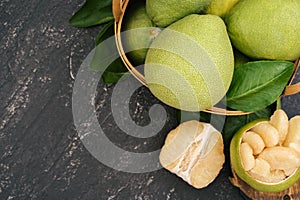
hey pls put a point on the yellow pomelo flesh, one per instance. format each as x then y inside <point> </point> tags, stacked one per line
<point>190,64</point>
<point>293,136</point>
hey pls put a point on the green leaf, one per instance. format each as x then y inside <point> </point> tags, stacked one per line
<point>232,123</point>
<point>93,12</point>
<point>106,32</point>
<point>255,85</point>
<point>105,51</point>
<point>113,77</point>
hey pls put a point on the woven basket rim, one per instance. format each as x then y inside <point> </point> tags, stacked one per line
<point>119,8</point>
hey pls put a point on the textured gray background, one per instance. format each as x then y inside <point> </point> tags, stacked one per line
<point>41,156</point>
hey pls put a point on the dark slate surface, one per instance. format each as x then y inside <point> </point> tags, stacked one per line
<point>41,155</point>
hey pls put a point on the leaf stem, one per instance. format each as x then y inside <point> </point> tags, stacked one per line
<point>278,104</point>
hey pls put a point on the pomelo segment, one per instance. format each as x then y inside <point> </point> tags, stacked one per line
<point>268,133</point>
<point>255,141</point>
<point>247,157</point>
<point>293,136</point>
<point>282,158</point>
<point>281,122</point>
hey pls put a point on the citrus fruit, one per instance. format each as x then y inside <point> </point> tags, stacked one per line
<point>260,158</point>
<point>190,64</point>
<point>164,13</point>
<point>221,7</point>
<point>266,29</point>
<point>140,32</point>
<point>194,151</point>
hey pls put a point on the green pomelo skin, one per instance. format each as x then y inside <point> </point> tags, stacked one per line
<point>165,12</point>
<point>266,29</point>
<point>221,7</point>
<point>190,64</point>
<point>142,32</point>
<point>237,166</point>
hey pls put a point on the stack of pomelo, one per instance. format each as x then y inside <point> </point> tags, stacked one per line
<point>190,51</point>
<point>189,64</point>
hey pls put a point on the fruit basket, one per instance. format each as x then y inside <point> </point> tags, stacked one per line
<point>291,88</point>
<point>119,8</point>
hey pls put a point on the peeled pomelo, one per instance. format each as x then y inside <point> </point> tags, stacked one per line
<point>190,64</point>
<point>194,151</point>
<point>272,169</point>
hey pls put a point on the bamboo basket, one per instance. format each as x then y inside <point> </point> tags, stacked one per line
<point>119,8</point>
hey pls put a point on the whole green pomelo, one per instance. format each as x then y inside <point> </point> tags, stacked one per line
<point>165,12</point>
<point>190,64</point>
<point>140,31</point>
<point>266,29</point>
<point>221,7</point>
